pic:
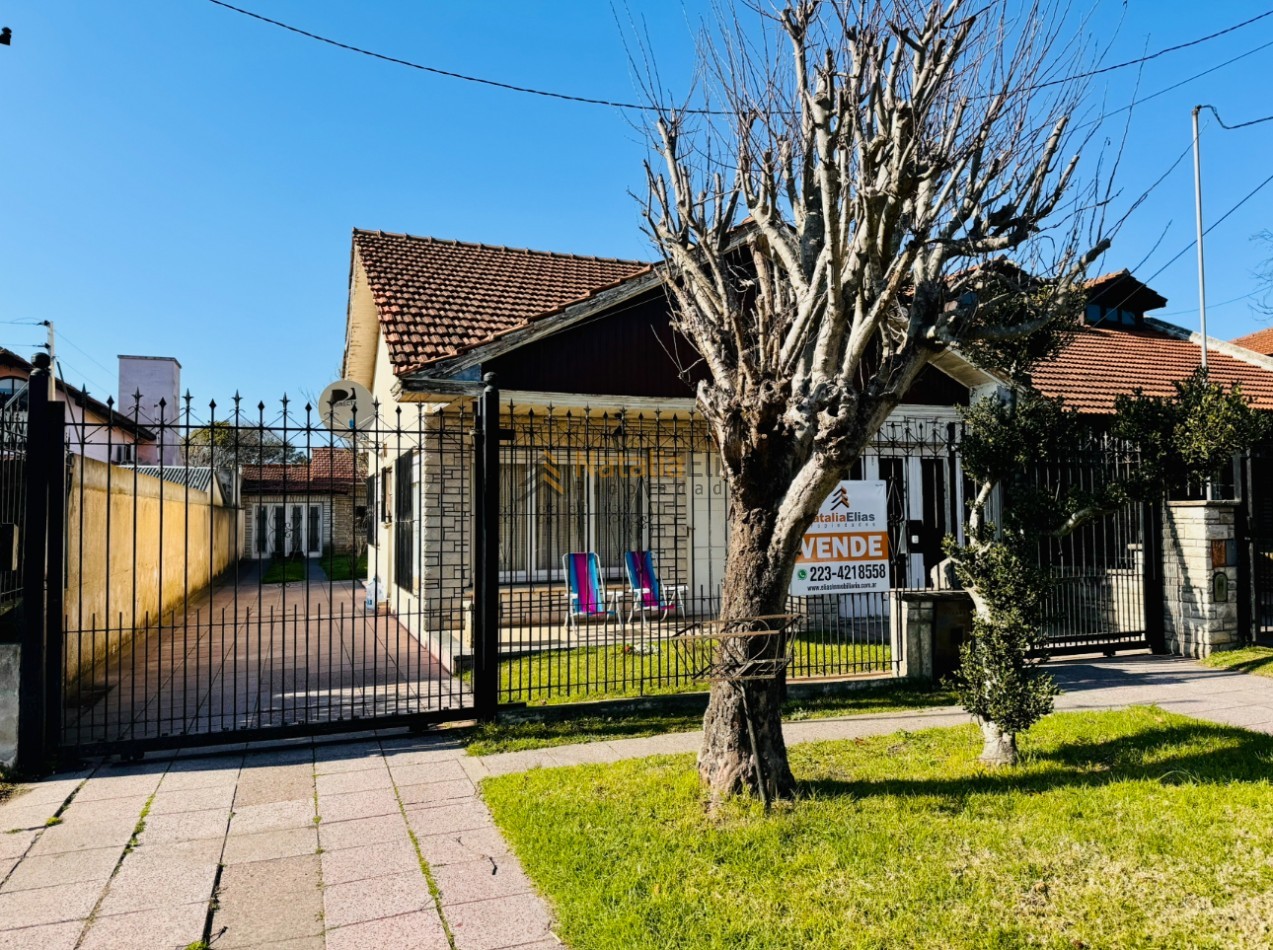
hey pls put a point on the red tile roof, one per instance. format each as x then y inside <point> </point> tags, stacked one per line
<point>439,298</point>
<point>1261,341</point>
<point>328,470</point>
<point>1099,364</point>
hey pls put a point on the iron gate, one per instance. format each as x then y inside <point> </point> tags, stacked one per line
<point>1106,593</point>
<point>1255,594</point>
<point>254,573</point>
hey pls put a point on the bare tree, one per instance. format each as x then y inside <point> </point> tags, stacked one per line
<point>879,162</point>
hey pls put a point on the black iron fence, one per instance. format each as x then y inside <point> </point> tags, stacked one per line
<point>259,572</point>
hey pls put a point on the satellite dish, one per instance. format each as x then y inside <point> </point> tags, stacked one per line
<point>346,406</point>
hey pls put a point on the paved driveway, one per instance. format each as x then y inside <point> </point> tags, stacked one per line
<point>250,655</point>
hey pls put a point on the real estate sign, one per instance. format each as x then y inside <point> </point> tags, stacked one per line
<point>845,550</point>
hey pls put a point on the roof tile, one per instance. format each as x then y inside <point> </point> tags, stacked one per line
<point>1100,364</point>
<point>438,298</point>
<point>1261,341</point>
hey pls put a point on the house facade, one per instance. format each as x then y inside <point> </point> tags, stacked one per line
<point>602,449</point>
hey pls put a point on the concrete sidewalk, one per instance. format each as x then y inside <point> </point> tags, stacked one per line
<point>382,842</point>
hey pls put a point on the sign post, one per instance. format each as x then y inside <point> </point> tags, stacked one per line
<point>845,550</point>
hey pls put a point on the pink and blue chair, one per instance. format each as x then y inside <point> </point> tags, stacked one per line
<point>649,596</point>
<point>589,599</point>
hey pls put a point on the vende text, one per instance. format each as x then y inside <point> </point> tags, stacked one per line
<point>859,546</point>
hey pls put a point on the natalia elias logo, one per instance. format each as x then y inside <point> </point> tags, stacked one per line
<point>840,499</point>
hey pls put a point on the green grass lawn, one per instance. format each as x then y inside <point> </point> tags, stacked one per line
<point>1134,828</point>
<point>345,567</point>
<point>284,571</point>
<point>1257,660</point>
<point>620,671</point>
<point>489,738</point>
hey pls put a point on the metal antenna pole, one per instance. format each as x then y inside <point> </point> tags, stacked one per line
<point>1197,201</point>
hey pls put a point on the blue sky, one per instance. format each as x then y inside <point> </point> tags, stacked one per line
<point>180,180</point>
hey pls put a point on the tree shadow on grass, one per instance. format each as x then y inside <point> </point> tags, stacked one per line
<point>1244,757</point>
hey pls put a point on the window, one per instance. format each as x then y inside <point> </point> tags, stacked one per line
<point>123,454</point>
<point>261,529</point>
<point>368,513</point>
<point>404,521</point>
<point>551,508</point>
<point>386,512</point>
<point>8,386</point>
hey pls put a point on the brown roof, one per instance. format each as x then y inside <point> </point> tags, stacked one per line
<point>438,298</point>
<point>1261,341</point>
<point>328,470</point>
<point>1099,364</point>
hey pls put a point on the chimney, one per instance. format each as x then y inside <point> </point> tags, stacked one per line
<point>158,379</point>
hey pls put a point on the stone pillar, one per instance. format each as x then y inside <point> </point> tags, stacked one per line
<point>10,655</point>
<point>1200,575</point>
<point>927,628</point>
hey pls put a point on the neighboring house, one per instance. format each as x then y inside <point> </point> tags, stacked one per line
<point>94,429</point>
<point>1121,349</point>
<point>1261,341</point>
<point>604,449</point>
<point>305,508</point>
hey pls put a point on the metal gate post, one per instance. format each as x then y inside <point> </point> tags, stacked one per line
<point>486,554</point>
<point>1152,592</point>
<point>33,752</point>
<point>55,574</point>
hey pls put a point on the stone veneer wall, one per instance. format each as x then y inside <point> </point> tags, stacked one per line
<point>1195,622</point>
<point>445,523</point>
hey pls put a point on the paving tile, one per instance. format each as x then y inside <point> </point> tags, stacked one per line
<point>258,758</point>
<point>372,860</point>
<point>48,905</point>
<point>341,782</point>
<point>274,785</point>
<point>333,835</point>
<point>583,754</point>
<point>401,756</point>
<point>28,817</point>
<point>173,926</point>
<point>330,760</point>
<point>68,867</point>
<point>365,804</point>
<point>47,937</point>
<point>480,880</point>
<point>106,785</point>
<point>79,836</point>
<point>503,922</point>
<point>192,799</point>
<point>475,769</point>
<point>421,930</point>
<point>273,816</point>
<point>446,818</point>
<point>300,943</point>
<point>53,791</point>
<point>269,901</point>
<point>435,792</point>
<point>196,773</point>
<point>445,771</point>
<point>1243,715</point>
<point>161,881</point>
<point>463,846</point>
<point>372,898</point>
<point>268,845</point>
<point>186,825</point>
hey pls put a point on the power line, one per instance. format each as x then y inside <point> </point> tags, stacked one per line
<point>616,104</point>
<point>1240,125</point>
<point>1215,224</point>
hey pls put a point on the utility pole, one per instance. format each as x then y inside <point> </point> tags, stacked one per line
<point>1197,203</point>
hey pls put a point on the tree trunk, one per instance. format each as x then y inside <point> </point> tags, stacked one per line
<point>1000,747</point>
<point>737,713</point>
